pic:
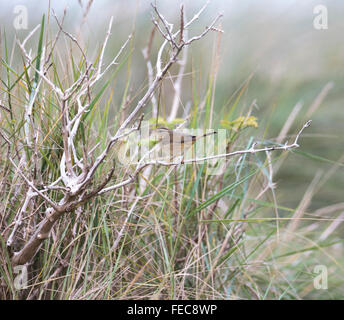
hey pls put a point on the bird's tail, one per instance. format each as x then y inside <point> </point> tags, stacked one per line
<point>207,134</point>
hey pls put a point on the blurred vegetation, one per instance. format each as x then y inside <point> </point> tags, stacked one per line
<point>269,60</point>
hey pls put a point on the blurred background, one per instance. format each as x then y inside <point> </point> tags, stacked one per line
<point>270,45</point>
<point>270,58</point>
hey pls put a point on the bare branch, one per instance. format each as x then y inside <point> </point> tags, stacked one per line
<point>75,193</point>
<point>18,218</point>
<point>69,35</point>
<point>30,184</point>
<point>5,108</point>
<point>168,26</point>
<point>234,153</point>
<point>205,31</point>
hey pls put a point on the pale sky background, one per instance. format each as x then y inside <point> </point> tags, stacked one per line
<point>102,9</point>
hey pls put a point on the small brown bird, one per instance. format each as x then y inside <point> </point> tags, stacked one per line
<point>174,143</point>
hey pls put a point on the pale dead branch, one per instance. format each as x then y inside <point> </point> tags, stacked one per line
<point>77,172</point>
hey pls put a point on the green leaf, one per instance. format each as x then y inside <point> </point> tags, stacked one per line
<point>39,51</point>
<point>223,192</point>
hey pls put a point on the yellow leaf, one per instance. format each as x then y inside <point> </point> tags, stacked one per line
<point>240,123</point>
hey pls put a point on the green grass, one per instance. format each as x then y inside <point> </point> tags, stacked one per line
<point>186,234</point>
